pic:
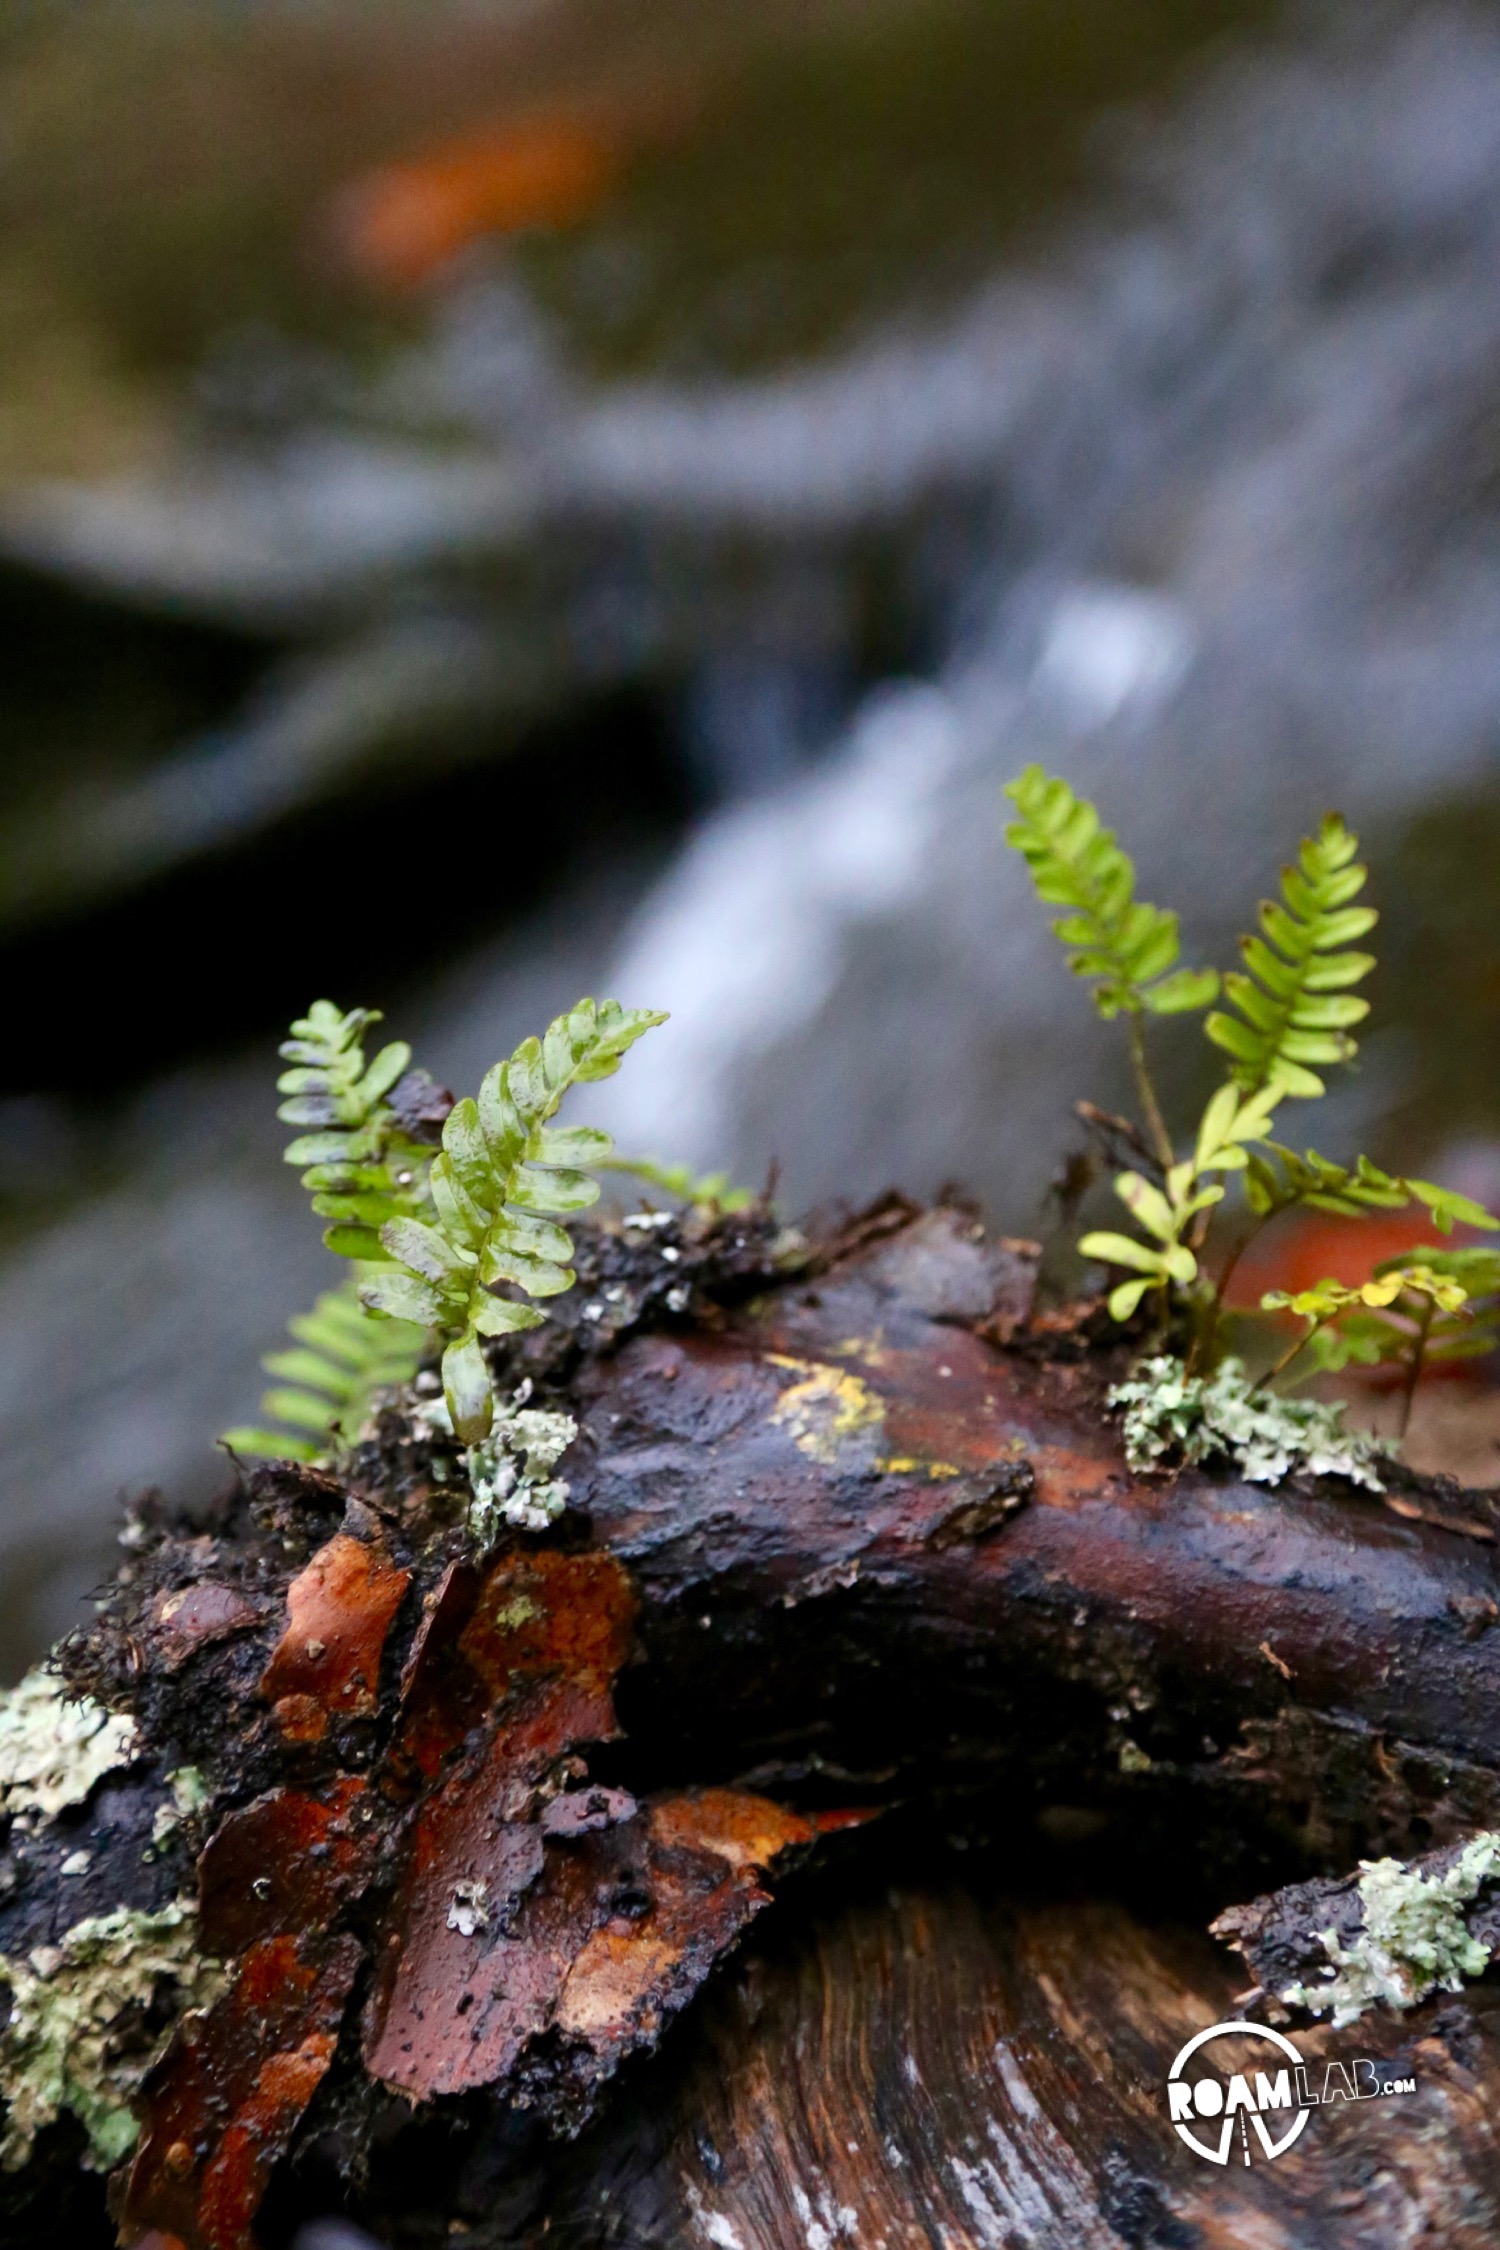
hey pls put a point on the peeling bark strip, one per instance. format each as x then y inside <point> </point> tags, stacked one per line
<point>288,1862</point>
<point>595,1941</point>
<point>869,1533</point>
<point>327,1663</point>
<point>540,1640</point>
<point>526,1906</point>
<point>222,2105</point>
<point>522,1909</point>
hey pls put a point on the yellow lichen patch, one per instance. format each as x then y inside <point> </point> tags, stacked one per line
<point>53,1748</point>
<point>827,1411</point>
<point>907,1465</point>
<point>869,1349</point>
<point>516,1613</point>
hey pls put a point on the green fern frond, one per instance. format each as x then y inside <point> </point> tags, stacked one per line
<point>363,1168</point>
<point>1295,1006</point>
<point>1422,1306</point>
<point>709,1191</point>
<point>1127,946</point>
<point>327,1385</point>
<point>1279,1179</point>
<point>504,1178</point>
<point>1474,1330</point>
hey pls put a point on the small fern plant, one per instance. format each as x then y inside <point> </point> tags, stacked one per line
<point>1290,1013</point>
<point>505,1178</point>
<point>450,1244</point>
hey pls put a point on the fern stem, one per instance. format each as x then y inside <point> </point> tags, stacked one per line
<point>1208,1335</point>
<point>1205,1334</point>
<point>1289,1355</point>
<point>1156,1124</point>
<point>1414,1362</point>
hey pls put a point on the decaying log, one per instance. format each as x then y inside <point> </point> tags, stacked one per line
<point>849,1533</point>
<point>920,2068</point>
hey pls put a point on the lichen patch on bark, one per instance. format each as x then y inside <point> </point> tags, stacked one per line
<point>827,1413</point>
<point>88,2018</point>
<point>54,1747</point>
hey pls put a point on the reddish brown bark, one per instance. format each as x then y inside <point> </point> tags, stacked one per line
<point>223,2104</point>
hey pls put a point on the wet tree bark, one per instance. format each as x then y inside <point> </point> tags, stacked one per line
<point>875,1547</point>
<point>867,1534</point>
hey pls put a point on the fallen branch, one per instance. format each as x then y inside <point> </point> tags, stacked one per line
<point>865,1533</point>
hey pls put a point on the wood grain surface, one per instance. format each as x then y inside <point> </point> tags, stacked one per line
<point>923,2071</point>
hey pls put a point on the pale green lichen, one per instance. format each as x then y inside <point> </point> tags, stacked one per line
<point>75,2039</point>
<point>511,1470</point>
<point>189,1796</point>
<point>1172,1417</point>
<point>1415,1939</point>
<point>53,1747</point>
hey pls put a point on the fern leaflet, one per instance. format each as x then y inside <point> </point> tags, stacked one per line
<point>1293,999</point>
<point>364,1168</point>
<point>327,1385</point>
<point>1419,1307</point>
<point>504,1177</point>
<point>1280,1179</point>
<point>1126,945</point>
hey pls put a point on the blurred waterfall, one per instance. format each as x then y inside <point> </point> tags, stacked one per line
<point>1246,564</point>
<point>1212,499</point>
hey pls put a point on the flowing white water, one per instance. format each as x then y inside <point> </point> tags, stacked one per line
<point>1236,453</point>
<point>1246,564</point>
